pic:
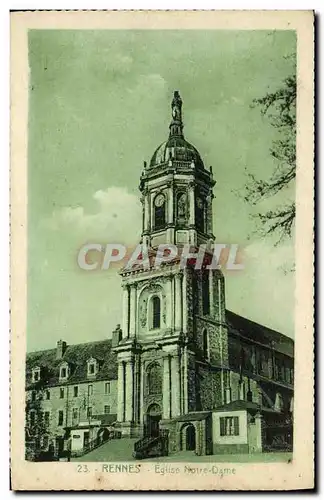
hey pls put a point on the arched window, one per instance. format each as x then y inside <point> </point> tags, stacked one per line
<point>156,312</point>
<point>159,211</point>
<point>200,214</point>
<point>205,292</point>
<point>154,379</point>
<point>206,344</point>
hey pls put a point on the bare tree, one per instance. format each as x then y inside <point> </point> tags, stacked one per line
<point>280,108</point>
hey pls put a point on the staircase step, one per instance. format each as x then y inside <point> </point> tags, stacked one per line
<point>114,450</point>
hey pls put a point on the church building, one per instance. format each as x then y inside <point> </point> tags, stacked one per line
<point>212,379</point>
<point>182,370</point>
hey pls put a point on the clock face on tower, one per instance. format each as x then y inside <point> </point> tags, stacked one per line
<point>159,200</point>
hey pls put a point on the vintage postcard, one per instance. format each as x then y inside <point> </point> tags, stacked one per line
<point>162,187</point>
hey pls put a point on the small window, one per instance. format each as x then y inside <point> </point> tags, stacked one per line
<point>75,414</point>
<point>89,411</point>
<point>91,369</point>
<point>156,312</point>
<point>61,392</point>
<point>107,388</point>
<point>33,396</point>
<point>106,409</point>
<point>44,442</point>
<point>63,372</point>
<point>206,344</point>
<point>47,394</point>
<point>75,391</point>
<point>90,390</point>
<point>229,426</point>
<point>60,417</point>
<point>154,379</point>
<point>36,375</point>
<point>46,418</point>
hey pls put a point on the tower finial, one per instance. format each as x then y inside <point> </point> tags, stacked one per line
<point>176,125</point>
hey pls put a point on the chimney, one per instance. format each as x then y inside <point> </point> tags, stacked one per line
<point>116,336</point>
<point>60,349</point>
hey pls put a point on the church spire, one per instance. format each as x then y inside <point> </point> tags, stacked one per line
<point>176,125</point>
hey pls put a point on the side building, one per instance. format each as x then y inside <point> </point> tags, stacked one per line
<point>70,391</point>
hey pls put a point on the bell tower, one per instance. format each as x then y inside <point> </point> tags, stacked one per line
<point>174,339</point>
<point>177,190</point>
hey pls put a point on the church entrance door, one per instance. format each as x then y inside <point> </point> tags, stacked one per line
<point>153,418</point>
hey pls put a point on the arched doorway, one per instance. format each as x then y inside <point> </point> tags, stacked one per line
<point>153,418</point>
<point>188,437</point>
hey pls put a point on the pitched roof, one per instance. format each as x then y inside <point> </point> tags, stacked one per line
<point>77,357</point>
<point>259,333</point>
<point>240,404</point>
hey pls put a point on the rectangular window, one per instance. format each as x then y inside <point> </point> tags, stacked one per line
<point>63,372</point>
<point>75,391</point>
<point>61,393</point>
<point>45,442</point>
<point>107,388</point>
<point>33,396</point>
<point>60,417</point>
<point>91,369</point>
<point>229,426</point>
<point>90,390</point>
<point>46,418</point>
<point>36,376</point>
<point>48,394</point>
<point>89,412</point>
<point>106,409</point>
<point>75,414</point>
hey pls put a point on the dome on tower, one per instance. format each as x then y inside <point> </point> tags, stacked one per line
<point>176,148</point>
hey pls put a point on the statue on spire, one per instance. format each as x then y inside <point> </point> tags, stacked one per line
<point>176,125</point>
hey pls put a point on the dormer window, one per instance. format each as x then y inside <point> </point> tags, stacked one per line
<point>64,371</point>
<point>92,365</point>
<point>36,374</point>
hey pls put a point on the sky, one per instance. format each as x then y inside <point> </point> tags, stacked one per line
<point>99,105</point>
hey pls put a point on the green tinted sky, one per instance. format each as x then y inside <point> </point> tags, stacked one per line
<point>100,105</point>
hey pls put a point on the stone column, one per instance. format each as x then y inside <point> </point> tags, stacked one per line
<point>120,392</point>
<point>184,303</point>
<point>132,311</point>
<point>209,214</point>
<point>125,328</point>
<point>178,302</point>
<point>192,218</point>
<point>129,386</point>
<point>170,323</point>
<point>185,380</point>
<point>175,386</point>
<point>170,204</point>
<point>146,212</point>
<point>192,204</point>
<point>211,292</point>
<point>136,389</point>
<point>166,387</point>
<point>141,397</point>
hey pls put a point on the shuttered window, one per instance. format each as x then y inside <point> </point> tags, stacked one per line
<point>229,426</point>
